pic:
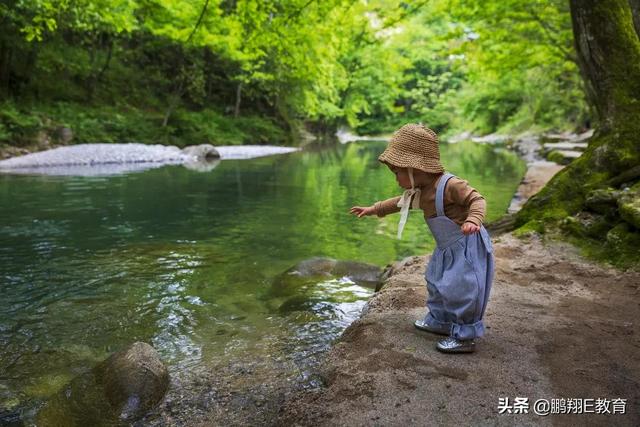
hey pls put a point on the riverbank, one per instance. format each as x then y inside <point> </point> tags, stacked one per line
<point>558,326</point>
<point>28,128</point>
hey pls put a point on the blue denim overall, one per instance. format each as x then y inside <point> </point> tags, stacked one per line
<point>459,275</point>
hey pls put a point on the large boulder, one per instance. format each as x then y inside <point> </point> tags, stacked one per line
<point>123,388</point>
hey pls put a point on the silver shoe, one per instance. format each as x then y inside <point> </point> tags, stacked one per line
<point>454,345</point>
<point>420,324</point>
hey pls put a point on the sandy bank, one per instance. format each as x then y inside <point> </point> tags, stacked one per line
<point>557,327</point>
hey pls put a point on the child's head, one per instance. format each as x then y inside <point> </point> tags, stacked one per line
<point>412,146</point>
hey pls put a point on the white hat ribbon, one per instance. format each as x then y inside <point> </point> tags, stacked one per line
<point>405,202</point>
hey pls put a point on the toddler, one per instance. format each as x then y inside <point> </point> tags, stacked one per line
<point>461,268</point>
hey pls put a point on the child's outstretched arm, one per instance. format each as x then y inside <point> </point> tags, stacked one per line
<point>361,211</point>
<point>386,207</point>
<point>381,208</point>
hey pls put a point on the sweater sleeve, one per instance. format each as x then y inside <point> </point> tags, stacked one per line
<point>386,207</point>
<point>468,197</point>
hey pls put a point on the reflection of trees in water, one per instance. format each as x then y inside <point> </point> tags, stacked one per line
<point>283,205</point>
<point>481,161</point>
<point>494,173</point>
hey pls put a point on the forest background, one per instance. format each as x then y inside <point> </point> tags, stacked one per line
<point>252,72</point>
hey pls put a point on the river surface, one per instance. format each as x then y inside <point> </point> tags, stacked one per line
<point>186,260</point>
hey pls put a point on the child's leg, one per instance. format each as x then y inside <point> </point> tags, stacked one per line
<point>466,286</point>
<point>436,318</point>
<point>436,315</point>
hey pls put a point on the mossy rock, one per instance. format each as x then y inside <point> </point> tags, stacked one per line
<point>531,227</point>
<point>118,391</point>
<point>623,238</point>
<point>603,201</point>
<point>629,205</point>
<point>630,212</point>
<point>562,157</point>
<point>587,224</point>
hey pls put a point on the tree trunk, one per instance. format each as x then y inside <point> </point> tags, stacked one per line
<point>635,11</point>
<point>5,54</point>
<point>174,99</point>
<point>608,55</point>
<point>31,63</point>
<point>608,50</point>
<point>236,110</point>
<point>107,62</point>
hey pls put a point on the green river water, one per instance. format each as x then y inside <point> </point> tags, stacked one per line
<point>185,260</point>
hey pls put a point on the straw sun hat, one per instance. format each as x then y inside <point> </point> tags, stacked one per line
<point>413,146</point>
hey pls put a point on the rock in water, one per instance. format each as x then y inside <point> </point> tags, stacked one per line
<point>202,152</point>
<point>121,389</point>
<point>204,157</point>
<point>318,266</point>
<point>314,285</point>
<point>135,380</point>
<point>315,268</point>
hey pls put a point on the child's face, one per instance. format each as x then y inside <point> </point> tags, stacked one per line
<point>402,176</point>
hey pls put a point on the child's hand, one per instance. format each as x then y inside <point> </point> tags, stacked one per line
<point>469,228</point>
<point>362,211</point>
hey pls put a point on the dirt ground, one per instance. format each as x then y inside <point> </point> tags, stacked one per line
<point>557,327</point>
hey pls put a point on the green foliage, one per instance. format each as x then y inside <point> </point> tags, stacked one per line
<point>208,126</point>
<point>120,124</point>
<point>483,66</point>
<point>16,127</point>
<point>520,66</point>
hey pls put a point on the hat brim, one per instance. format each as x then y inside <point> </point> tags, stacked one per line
<point>403,161</point>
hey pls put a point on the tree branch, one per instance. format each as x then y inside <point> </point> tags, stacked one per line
<point>204,10</point>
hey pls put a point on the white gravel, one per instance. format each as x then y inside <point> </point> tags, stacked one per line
<point>251,151</point>
<point>106,159</point>
<point>90,154</point>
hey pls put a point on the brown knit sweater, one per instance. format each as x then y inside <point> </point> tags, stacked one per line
<point>462,203</point>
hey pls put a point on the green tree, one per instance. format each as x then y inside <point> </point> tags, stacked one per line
<point>608,46</point>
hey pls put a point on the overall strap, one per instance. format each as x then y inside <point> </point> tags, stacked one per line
<point>440,193</point>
